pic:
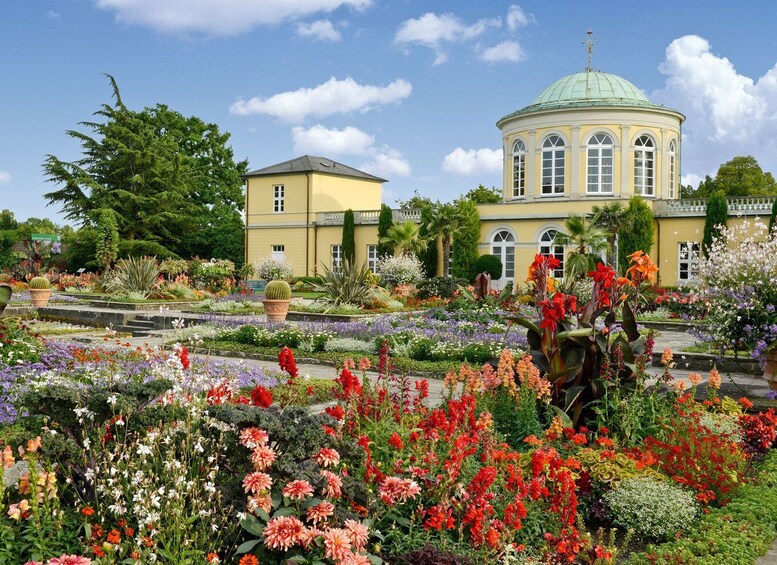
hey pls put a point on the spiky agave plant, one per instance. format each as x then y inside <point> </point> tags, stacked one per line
<point>133,275</point>
<point>350,284</point>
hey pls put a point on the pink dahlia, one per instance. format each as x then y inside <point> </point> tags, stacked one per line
<point>334,485</point>
<point>253,437</point>
<point>358,533</point>
<point>262,457</point>
<point>283,532</point>
<point>336,544</point>
<point>320,512</point>
<point>327,457</point>
<point>70,560</point>
<point>256,482</point>
<point>297,490</point>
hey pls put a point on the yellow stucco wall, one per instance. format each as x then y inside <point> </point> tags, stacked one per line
<point>332,192</point>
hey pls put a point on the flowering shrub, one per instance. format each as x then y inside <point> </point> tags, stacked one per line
<point>692,456</point>
<point>652,508</point>
<point>271,269</point>
<point>403,269</point>
<point>216,275</point>
<point>737,280</point>
<point>759,431</point>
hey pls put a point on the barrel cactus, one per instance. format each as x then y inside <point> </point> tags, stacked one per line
<point>277,290</point>
<point>40,283</point>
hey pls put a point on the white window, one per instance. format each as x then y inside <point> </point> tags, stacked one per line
<point>644,176</point>
<point>689,255</point>
<point>337,257</point>
<point>553,165</point>
<point>372,257</point>
<point>600,164</point>
<point>519,169</point>
<point>278,203</point>
<point>672,165</point>
<point>503,247</point>
<point>279,252</point>
<point>548,248</point>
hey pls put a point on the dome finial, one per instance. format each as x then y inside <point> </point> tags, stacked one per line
<point>589,43</point>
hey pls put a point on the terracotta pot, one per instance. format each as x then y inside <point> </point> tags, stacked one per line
<point>276,310</point>
<point>40,296</point>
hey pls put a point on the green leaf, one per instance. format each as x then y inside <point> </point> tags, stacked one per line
<point>580,332</point>
<point>571,396</point>
<point>247,546</point>
<point>566,421</point>
<point>252,525</point>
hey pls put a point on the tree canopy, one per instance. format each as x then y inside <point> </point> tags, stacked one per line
<point>741,176</point>
<point>483,195</point>
<point>171,181</point>
<point>639,236</point>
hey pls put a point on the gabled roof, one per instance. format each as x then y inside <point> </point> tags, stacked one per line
<point>312,164</point>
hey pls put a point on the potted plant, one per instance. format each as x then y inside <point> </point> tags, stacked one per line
<point>277,295</point>
<point>6,290</point>
<point>40,291</point>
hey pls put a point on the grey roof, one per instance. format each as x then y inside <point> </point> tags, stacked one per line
<point>312,164</point>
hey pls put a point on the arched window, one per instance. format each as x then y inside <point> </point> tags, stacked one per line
<point>503,246</point>
<point>553,165</point>
<point>519,169</point>
<point>547,247</point>
<point>644,173</point>
<point>672,168</point>
<point>600,164</point>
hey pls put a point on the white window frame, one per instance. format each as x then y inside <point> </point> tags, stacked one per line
<point>519,169</point>
<point>503,247</point>
<point>553,166</point>
<point>336,257</point>
<point>278,202</point>
<point>547,248</point>
<point>599,164</point>
<point>645,166</point>
<point>279,252</point>
<point>372,257</point>
<point>688,259</point>
<point>672,168</point>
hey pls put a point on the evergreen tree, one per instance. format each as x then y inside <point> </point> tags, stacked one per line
<point>773,217</point>
<point>8,238</point>
<point>717,216</point>
<point>465,245</point>
<point>639,236</point>
<point>385,221</point>
<point>107,240</point>
<point>170,180</point>
<point>349,241</point>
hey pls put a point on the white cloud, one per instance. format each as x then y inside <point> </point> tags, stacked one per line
<point>53,15</point>
<point>387,163</point>
<point>5,177</point>
<point>319,140</point>
<point>224,17</point>
<point>321,30</point>
<point>433,31</point>
<point>517,18</point>
<point>332,97</point>
<point>506,52</point>
<point>691,179</point>
<point>728,113</point>
<point>473,161</point>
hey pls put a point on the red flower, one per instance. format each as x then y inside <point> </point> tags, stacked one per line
<point>287,363</point>
<point>336,412</point>
<point>261,397</point>
<point>395,441</point>
<point>183,355</point>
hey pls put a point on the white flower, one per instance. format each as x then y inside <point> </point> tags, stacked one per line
<point>112,399</point>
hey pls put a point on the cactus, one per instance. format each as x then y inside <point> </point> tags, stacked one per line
<point>277,290</point>
<point>40,283</point>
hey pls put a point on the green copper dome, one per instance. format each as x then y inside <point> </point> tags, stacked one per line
<point>587,90</point>
<point>590,87</point>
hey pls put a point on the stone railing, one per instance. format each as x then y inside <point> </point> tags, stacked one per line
<point>363,217</point>
<point>737,206</point>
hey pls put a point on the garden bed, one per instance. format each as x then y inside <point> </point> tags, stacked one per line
<point>142,306</point>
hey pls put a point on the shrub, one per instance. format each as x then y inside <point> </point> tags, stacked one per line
<point>216,275</point>
<point>173,267</point>
<point>652,508</point>
<point>271,269</point>
<point>135,274</point>
<point>442,287</point>
<point>399,270</point>
<point>490,264</point>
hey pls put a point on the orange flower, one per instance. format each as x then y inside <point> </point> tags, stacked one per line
<point>714,381</point>
<point>336,544</point>
<point>248,560</point>
<point>283,532</point>
<point>213,558</point>
<point>256,482</point>
<point>87,511</point>
<point>262,457</point>
<point>320,512</point>
<point>297,490</point>
<point>327,457</point>
<point>694,378</point>
<point>113,536</point>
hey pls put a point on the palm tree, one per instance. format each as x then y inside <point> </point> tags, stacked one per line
<point>445,224</point>
<point>406,238</point>
<point>588,240</point>
<point>612,218</point>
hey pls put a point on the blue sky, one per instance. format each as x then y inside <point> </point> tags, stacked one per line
<point>409,90</point>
